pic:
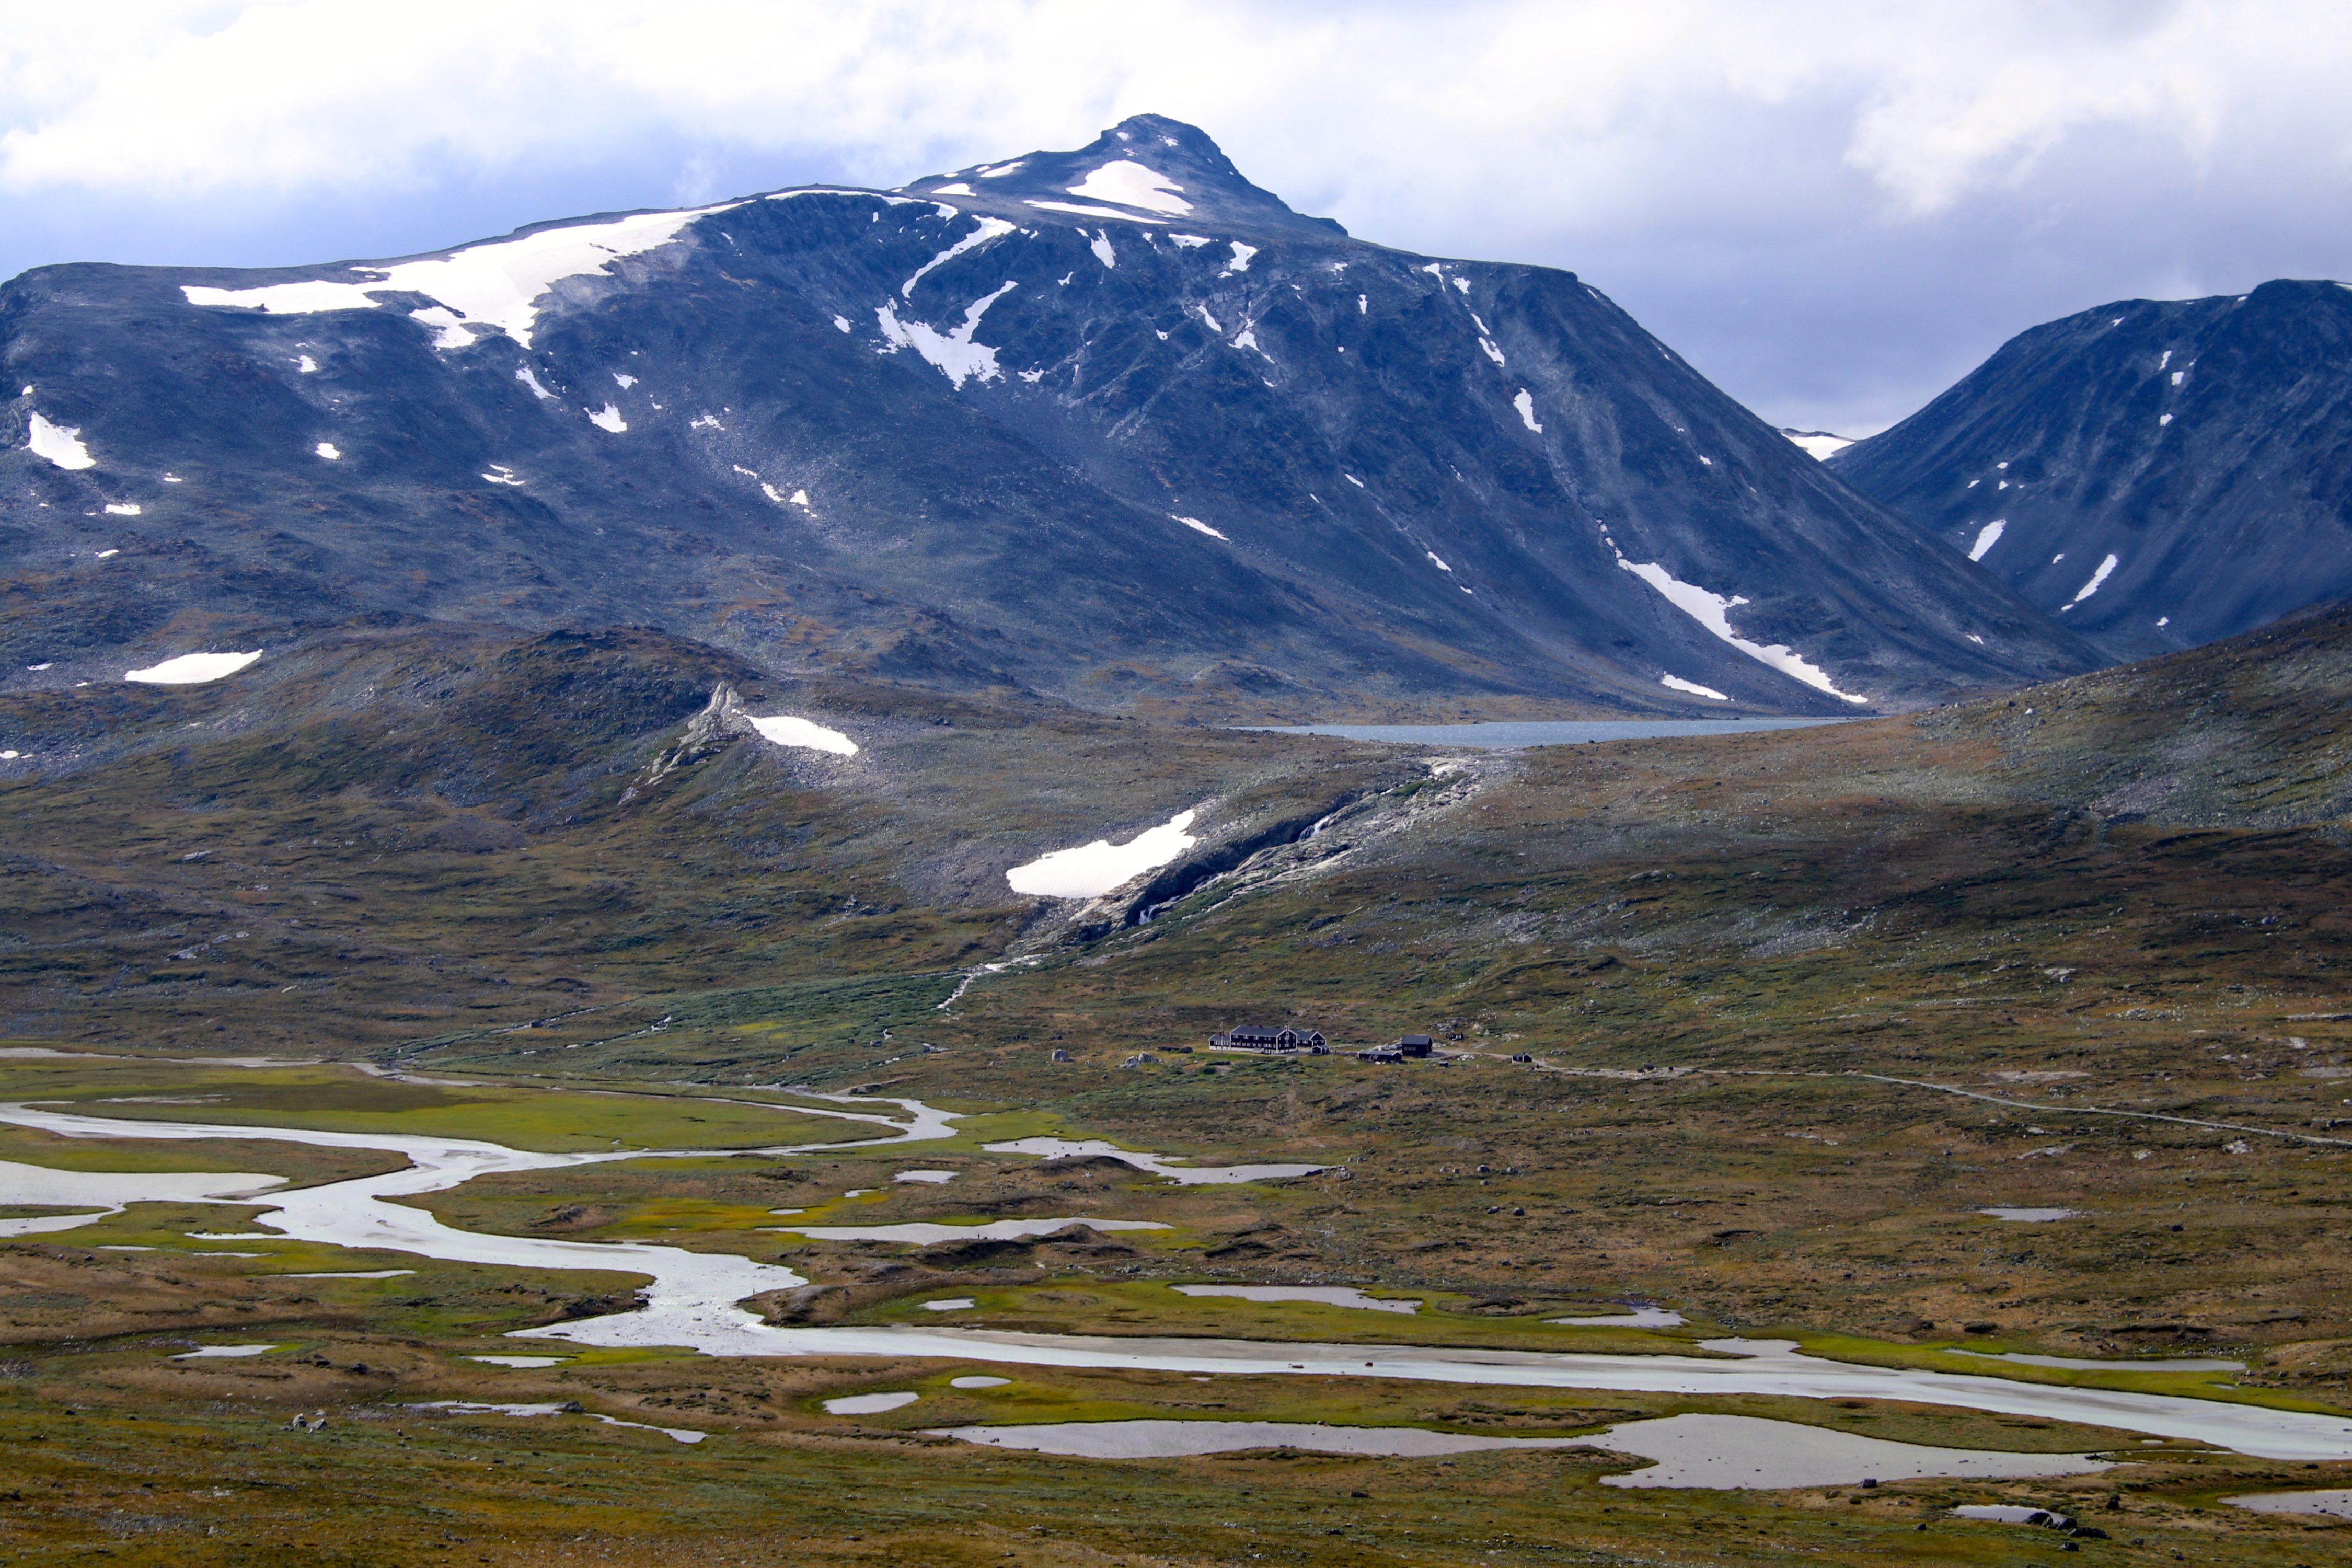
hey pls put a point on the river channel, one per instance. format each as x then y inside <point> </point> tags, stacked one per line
<point>692,1300</point>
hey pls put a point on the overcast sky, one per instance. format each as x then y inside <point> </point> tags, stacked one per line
<point>1833,209</point>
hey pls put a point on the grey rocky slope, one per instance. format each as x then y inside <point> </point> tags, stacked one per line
<point>2155,473</point>
<point>1114,426</point>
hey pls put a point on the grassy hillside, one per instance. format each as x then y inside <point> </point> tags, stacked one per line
<point>381,836</point>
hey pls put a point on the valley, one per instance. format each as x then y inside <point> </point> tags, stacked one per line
<point>1803,1007</point>
<point>429,1380</point>
<point>633,852</point>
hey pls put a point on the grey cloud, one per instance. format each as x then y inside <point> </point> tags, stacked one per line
<point>1833,209</point>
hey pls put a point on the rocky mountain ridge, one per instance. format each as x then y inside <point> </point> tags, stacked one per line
<point>1113,426</point>
<point>2155,473</point>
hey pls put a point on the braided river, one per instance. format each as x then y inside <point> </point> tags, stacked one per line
<point>693,1300</point>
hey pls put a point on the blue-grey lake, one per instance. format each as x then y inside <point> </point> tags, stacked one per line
<point>1543,731</point>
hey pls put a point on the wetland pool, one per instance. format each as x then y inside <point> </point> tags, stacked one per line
<point>1718,1452</point>
<point>1327,1295</point>
<point>2336,1504</point>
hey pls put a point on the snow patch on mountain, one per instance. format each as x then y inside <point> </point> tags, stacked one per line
<point>954,353</point>
<point>1076,210</point>
<point>495,286</point>
<point>2091,587</point>
<point>990,229</point>
<point>1676,683</point>
<point>1987,537</point>
<point>1240,260</point>
<point>1526,403</point>
<point>191,669</point>
<point>61,443</point>
<point>784,730</point>
<point>1093,869</point>
<point>1132,184</point>
<point>608,419</point>
<point>523,374</point>
<point>449,332</point>
<point>1713,611</point>
<point>1101,246</point>
<point>1196,524</point>
<point>1819,444</point>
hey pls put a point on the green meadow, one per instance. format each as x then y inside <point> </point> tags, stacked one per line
<point>337,1098</point>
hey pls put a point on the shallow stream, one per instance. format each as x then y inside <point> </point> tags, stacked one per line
<point>692,1300</point>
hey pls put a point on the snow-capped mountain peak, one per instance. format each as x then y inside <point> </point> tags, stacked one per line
<point>1113,424</point>
<point>1147,171</point>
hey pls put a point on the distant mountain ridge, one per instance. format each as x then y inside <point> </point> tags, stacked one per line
<point>1113,424</point>
<point>2158,474</point>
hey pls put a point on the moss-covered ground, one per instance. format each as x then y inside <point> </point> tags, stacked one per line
<point>336,1098</point>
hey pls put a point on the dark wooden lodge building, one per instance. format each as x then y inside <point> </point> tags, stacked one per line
<point>1257,1037</point>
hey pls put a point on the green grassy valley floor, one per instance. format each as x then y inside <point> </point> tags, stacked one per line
<point>209,1471</point>
<point>1800,1006</point>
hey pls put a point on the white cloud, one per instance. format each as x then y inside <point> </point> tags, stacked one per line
<point>290,95</point>
<point>1679,151</point>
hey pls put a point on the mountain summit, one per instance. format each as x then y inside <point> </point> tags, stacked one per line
<point>1113,424</point>
<point>1148,168</point>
